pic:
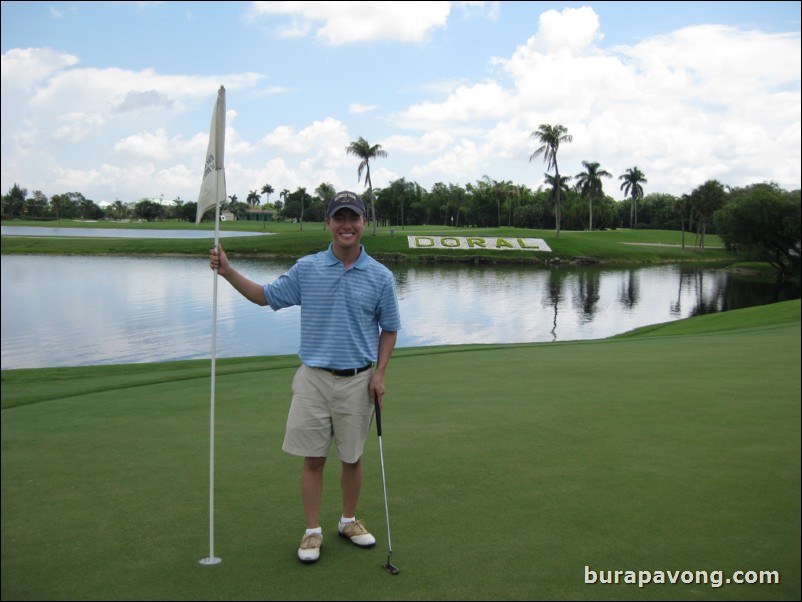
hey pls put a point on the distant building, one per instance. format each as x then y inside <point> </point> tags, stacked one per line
<point>256,215</point>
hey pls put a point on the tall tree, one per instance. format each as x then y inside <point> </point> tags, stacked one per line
<point>253,198</point>
<point>765,220</point>
<point>303,197</point>
<point>497,192</point>
<point>681,206</point>
<point>707,199</point>
<point>550,137</point>
<point>14,202</point>
<point>36,205</point>
<point>296,204</point>
<point>149,210</point>
<point>457,194</point>
<point>502,191</point>
<point>67,205</point>
<point>120,210</point>
<point>589,185</point>
<point>632,186</point>
<point>267,190</point>
<point>363,150</point>
<point>283,203</point>
<point>557,188</point>
<point>325,192</point>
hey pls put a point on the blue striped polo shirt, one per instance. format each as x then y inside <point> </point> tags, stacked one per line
<point>341,310</point>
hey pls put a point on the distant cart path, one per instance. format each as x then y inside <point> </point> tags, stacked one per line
<point>662,244</point>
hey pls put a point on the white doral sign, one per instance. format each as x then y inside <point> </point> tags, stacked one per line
<point>486,243</point>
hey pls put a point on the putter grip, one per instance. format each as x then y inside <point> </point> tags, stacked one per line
<point>378,416</point>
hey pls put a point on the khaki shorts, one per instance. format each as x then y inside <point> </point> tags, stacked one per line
<point>325,408</point>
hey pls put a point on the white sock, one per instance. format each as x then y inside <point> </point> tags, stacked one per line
<point>315,531</point>
<point>344,521</point>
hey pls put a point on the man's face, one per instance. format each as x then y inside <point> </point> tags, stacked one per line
<point>346,228</point>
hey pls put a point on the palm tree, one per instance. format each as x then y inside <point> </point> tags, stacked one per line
<point>681,206</point>
<point>558,187</point>
<point>301,192</point>
<point>589,185</point>
<point>550,137</point>
<point>362,149</point>
<point>631,186</point>
<point>267,190</point>
<point>707,199</point>
<point>325,192</point>
<point>253,198</point>
<point>497,189</point>
<point>120,209</point>
<point>283,195</point>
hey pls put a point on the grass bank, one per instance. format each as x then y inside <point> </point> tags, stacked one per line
<point>389,244</point>
<point>510,469</point>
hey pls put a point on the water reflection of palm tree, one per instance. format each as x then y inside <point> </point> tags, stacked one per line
<point>587,294</point>
<point>676,306</point>
<point>711,301</point>
<point>629,291</point>
<point>553,296</point>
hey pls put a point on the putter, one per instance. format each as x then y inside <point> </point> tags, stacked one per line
<point>389,566</point>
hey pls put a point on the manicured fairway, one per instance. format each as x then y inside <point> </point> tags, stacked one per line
<point>510,469</point>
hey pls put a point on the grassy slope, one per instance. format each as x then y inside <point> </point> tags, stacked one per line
<point>388,244</point>
<point>509,469</point>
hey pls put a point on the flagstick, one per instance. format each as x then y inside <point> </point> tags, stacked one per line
<point>212,559</point>
<point>211,194</point>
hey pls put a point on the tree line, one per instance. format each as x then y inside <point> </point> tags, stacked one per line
<point>712,207</point>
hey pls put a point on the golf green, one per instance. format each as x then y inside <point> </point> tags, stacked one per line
<point>513,472</point>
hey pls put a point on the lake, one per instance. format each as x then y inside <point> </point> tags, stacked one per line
<point>87,310</point>
<point>118,232</point>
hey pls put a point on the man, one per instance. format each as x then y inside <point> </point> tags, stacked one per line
<point>349,327</point>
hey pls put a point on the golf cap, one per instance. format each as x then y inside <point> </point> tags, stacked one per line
<point>345,200</point>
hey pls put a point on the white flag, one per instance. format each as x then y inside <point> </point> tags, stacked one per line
<point>213,187</point>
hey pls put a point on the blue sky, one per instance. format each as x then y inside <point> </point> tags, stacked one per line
<point>114,99</point>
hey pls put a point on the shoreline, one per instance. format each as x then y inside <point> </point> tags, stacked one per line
<point>619,247</point>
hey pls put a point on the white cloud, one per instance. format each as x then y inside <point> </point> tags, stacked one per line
<point>350,22</point>
<point>22,68</point>
<point>459,162</point>
<point>703,102</point>
<point>429,143</point>
<point>321,148</point>
<point>700,102</point>
<point>571,31</point>
<point>51,107</point>
<point>467,105</point>
<point>484,10</point>
<point>75,127</point>
<point>149,146</point>
<point>358,109</point>
<point>312,139</point>
<point>143,101</point>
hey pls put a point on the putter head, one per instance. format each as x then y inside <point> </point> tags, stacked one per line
<point>391,568</point>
